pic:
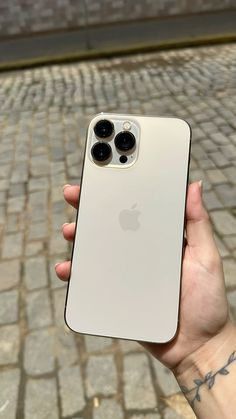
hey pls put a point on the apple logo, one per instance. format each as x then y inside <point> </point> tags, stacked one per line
<point>128,218</point>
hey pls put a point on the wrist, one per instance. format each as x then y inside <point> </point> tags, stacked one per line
<point>208,353</point>
<point>201,374</point>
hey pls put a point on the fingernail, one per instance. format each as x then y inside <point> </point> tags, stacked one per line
<point>66,186</point>
<point>200,185</point>
<point>65,224</point>
<point>56,265</point>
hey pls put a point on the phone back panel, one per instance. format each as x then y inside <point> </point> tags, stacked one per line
<point>125,283</point>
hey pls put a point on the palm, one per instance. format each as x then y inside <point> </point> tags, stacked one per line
<point>202,311</point>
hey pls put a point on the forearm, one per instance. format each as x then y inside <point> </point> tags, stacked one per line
<point>208,377</point>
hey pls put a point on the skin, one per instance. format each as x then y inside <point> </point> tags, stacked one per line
<point>204,319</point>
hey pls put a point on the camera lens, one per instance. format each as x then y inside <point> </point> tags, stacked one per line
<point>101,151</point>
<point>125,141</point>
<point>103,128</point>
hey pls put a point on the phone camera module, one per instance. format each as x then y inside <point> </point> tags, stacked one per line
<point>103,128</point>
<point>125,141</point>
<point>101,151</point>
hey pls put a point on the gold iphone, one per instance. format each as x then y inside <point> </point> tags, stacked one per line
<point>127,254</point>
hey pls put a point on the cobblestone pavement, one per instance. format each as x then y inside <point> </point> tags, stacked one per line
<point>46,370</point>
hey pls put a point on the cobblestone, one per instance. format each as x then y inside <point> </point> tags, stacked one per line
<point>41,397</point>
<point>34,248</point>
<point>171,414</point>
<point>95,343</point>
<point>35,273</point>
<point>59,296</point>
<point>39,352</point>
<point>9,387</point>
<point>10,274</point>
<point>138,388</point>
<point>72,401</point>
<point>38,231</point>
<point>38,309</point>
<point>8,306</point>
<point>225,223</point>
<point>65,348</point>
<point>165,379</point>
<point>101,376</point>
<point>10,344</point>
<point>108,409</point>
<point>230,272</point>
<point>211,201</point>
<point>148,416</point>
<point>12,246</point>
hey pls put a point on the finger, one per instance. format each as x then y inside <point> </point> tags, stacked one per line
<point>199,231</point>
<point>68,230</point>
<point>71,194</point>
<point>63,270</point>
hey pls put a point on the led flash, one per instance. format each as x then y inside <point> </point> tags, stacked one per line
<point>127,125</point>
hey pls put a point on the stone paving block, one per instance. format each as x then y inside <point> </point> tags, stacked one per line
<point>231,296</point>
<point>9,388</point>
<point>108,409</point>
<point>224,222</point>
<point>38,184</point>
<point>216,176</point>
<point>38,309</point>
<point>3,195</point>
<point>5,171</point>
<point>230,242</point>
<point>138,388</point>
<point>38,231</point>
<point>230,173</point>
<point>130,345</point>
<point>39,352</point>
<point>58,244</point>
<point>229,151</point>
<point>147,416</point>
<point>165,379</point>
<point>221,247</point>
<point>8,306</point>
<point>35,273</point>
<point>219,159</point>
<point>171,414</point>
<point>101,376</point>
<point>71,390</point>
<point>4,184</point>
<point>230,272</point>
<point>12,246</point>
<point>58,220</point>
<point>65,347</point>
<point>227,194</point>
<point>211,200</point>
<point>39,165</point>
<point>219,138</point>
<point>59,297</point>
<point>10,344</point>
<point>10,274</point>
<point>17,189</point>
<point>41,399</point>
<point>34,248</point>
<point>205,164</point>
<point>15,204</point>
<point>97,343</point>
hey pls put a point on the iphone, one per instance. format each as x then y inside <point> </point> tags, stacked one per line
<point>127,253</point>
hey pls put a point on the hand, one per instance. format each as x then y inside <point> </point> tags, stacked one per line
<point>203,305</point>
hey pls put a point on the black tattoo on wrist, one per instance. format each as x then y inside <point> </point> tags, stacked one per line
<point>209,380</point>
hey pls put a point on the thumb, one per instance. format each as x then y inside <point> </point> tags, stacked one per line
<point>199,233</point>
